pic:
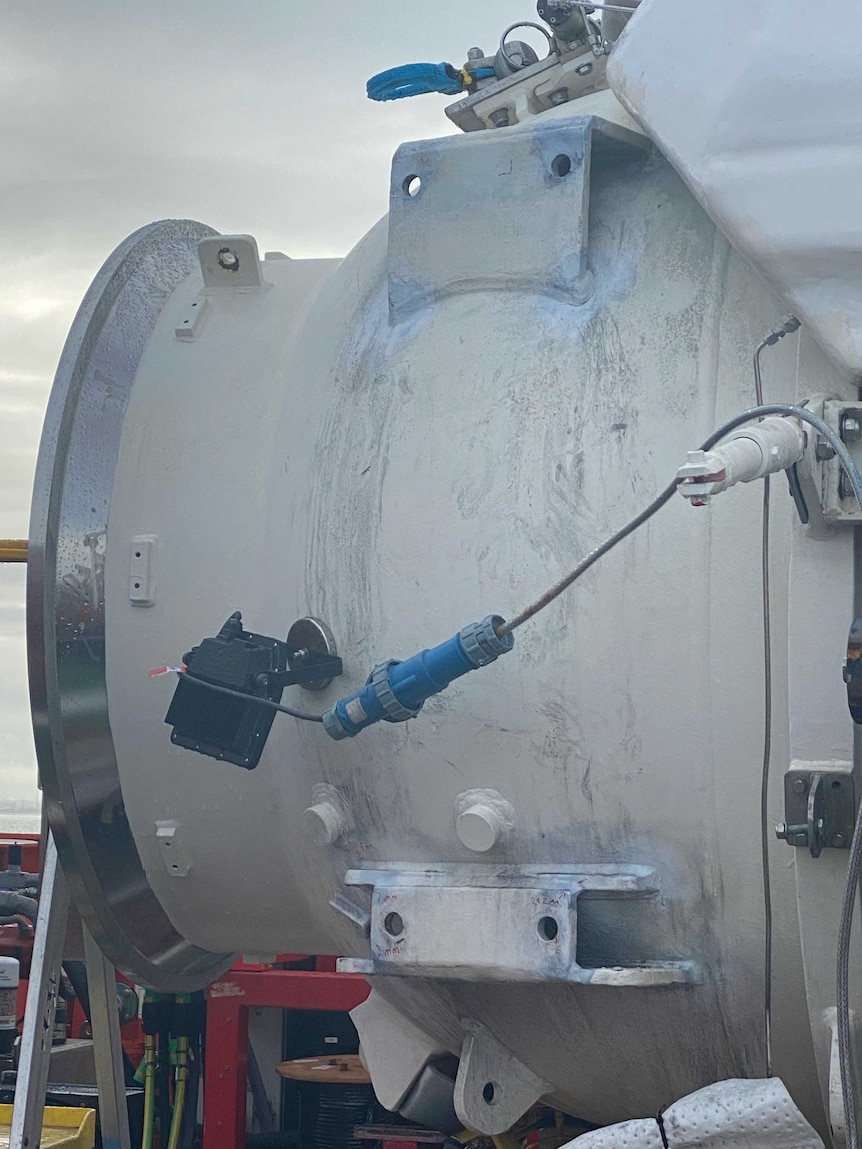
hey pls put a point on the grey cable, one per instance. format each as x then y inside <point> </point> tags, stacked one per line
<point>787,325</point>
<point>584,565</point>
<point>604,7</point>
<point>267,703</point>
<point>666,495</point>
<point>767,741</point>
<point>854,863</point>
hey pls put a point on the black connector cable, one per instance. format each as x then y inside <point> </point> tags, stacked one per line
<point>303,715</point>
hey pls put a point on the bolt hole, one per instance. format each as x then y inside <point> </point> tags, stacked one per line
<point>185,321</point>
<point>489,1092</point>
<point>137,586</point>
<point>561,165</point>
<point>194,305</point>
<point>548,928</point>
<point>394,925</point>
<point>137,554</point>
<point>836,785</point>
<point>412,185</point>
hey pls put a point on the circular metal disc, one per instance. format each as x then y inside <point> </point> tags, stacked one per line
<point>66,609</point>
<point>313,634</point>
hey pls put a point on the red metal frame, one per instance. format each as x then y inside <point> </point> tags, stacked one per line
<point>228,1003</point>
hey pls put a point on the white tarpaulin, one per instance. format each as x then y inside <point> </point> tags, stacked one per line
<point>728,1115</point>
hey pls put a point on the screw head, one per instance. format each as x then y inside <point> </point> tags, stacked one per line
<point>227,259</point>
<point>799,786</point>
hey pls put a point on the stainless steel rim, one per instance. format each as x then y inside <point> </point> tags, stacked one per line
<point>66,609</point>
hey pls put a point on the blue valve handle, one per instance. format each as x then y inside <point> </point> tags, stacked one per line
<point>397,691</point>
<point>415,80</point>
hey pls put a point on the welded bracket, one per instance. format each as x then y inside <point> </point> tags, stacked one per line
<point>823,484</point>
<point>505,212</point>
<point>504,923</point>
<point>493,1089</point>
<point>819,808</point>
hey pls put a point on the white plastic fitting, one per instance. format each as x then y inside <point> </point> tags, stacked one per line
<point>323,823</point>
<point>328,818</point>
<point>749,453</point>
<point>482,819</point>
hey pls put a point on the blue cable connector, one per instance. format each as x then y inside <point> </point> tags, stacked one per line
<point>397,691</point>
<point>419,79</point>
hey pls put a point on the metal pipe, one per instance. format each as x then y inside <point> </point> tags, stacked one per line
<point>13,550</point>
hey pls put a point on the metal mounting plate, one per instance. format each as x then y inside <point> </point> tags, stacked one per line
<point>497,211</point>
<point>504,923</point>
<point>824,819</point>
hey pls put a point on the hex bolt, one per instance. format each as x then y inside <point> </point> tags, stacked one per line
<point>559,96</point>
<point>227,259</point>
<point>781,831</point>
<point>799,840</point>
<point>799,786</point>
<point>584,69</point>
<point>500,118</point>
<point>851,429</point>
<point>823,451</point>
<point>838,840</point>
<point>475,54</point>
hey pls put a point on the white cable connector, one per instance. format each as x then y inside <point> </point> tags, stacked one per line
<point>773,444</point>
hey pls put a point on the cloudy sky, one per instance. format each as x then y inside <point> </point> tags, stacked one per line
<point>248,115</point>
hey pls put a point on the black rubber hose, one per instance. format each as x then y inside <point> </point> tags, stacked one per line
<point>25,926</point>
<point>13,903</point>
<point>76,972</point>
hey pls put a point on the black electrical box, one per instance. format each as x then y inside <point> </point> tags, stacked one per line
<point>224,726</point>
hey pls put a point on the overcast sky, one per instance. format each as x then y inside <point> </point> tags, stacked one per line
<point>248,115</point>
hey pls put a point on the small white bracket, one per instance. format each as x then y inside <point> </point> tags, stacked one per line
<point>231,262</point>
<point>192,319</point>
<point>142,570</point>
<point>176,861</point>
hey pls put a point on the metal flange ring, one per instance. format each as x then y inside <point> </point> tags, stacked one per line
<point>66,610</point>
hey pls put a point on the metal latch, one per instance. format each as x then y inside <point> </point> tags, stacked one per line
<point>819,808</point>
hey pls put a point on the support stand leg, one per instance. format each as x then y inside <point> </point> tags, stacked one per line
<point>38,1033</point>
<point>107,1047</point>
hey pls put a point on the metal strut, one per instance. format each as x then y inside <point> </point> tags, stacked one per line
<point>36,1038</point>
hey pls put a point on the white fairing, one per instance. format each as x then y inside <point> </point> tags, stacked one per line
<point>759,108</point>
<point>399,445</point>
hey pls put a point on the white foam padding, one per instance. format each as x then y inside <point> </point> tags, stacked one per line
<point>727,1115</point>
